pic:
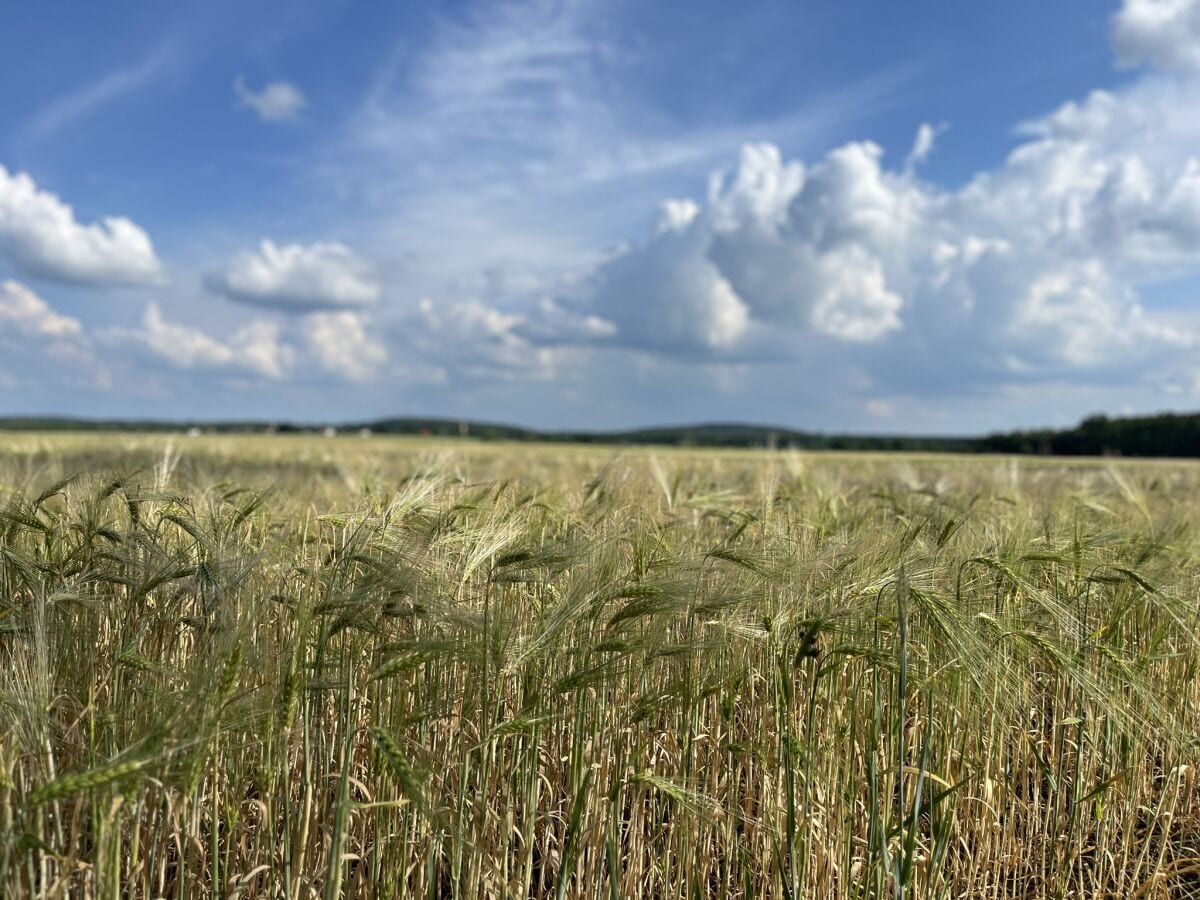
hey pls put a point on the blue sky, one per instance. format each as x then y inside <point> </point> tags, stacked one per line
<point>935,217</point>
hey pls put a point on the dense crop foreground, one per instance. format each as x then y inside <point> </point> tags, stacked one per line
<point>297,667</point>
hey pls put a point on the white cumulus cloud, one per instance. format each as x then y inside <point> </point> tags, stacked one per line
<point>668,295</point>
<point>1164,33</point>
<point>471,341</point>
<point>45,350</point>
<point>255,348</point>
<point>776,246</point>
<point>298,278</point>
<point>1034,269</point>
<point>343,344</point>
<point>40,235</point>
<point>25,313</point>
<point>277,101</point>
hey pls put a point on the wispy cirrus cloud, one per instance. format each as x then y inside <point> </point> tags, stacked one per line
<point>91,98</point>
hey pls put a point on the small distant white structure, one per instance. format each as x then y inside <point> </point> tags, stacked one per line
<point>194,432</point>
<point>364,432</point>
<point>329,431</point>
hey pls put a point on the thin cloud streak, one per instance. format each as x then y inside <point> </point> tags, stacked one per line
<point>88,100</point>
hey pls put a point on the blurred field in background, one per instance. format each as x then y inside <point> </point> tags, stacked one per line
<point>295,666</point>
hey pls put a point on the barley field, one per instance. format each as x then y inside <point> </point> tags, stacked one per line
<point>298,667</point>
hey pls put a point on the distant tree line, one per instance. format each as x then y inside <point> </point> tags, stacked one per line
<point>1166,434</point>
